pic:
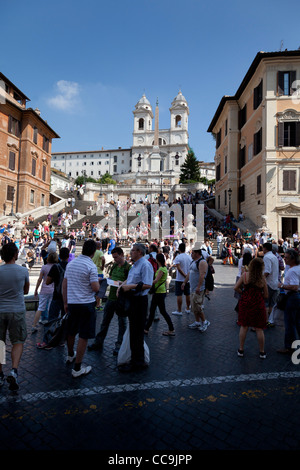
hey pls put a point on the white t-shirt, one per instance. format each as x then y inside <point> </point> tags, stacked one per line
<point>292,277</point>
<point>272,268</point>
<point>80,273</point>
<point>184,260</point>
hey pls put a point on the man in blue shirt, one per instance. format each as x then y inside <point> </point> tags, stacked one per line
<point>139,281</point>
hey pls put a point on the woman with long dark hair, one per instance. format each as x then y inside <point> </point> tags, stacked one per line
<point>252,310</point>
<point>158,298</point>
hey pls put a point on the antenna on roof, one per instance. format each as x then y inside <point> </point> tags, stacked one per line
<point>281,45</point>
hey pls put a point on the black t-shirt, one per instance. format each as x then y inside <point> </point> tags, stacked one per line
<point>55,273</point>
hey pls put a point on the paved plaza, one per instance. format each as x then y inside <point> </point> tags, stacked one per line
<point>196,395</point>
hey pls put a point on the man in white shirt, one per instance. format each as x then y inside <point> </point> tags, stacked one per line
<point>271,273</point>
<point>182,262</point>
<point>291,286</point>
<point>80,285</point>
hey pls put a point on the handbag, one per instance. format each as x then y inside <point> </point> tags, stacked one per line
<point>122,307</point>
<point>154,287</point>
<point>57,331</point>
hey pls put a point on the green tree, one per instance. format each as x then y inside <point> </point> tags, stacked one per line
<point>107,179</point>
<point>190,171</point>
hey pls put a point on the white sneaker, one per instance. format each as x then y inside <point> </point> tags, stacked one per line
<point>82,371</point>
<point>187,310</point>
<point>176,313</point>
<point>196,324</point>
<point>204,326</point>
<point>70,359</point>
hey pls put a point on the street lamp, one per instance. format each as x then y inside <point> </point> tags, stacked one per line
<point>229,194</point>
<point>12,202</point>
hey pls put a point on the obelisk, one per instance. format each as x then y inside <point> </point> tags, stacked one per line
<point>155,155</point>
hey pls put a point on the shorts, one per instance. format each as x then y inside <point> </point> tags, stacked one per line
<point>44,302</point>
<point>197,302</point>
<point>82,320</point>
<point>15,324</point>
<point>272,299</point>
<point>179,291</point>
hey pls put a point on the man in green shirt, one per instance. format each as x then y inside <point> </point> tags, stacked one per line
<point>119,272</point>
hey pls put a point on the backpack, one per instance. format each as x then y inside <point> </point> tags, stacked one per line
<point>209,279</point>
<point>153,263</point>
<point>224,252</point>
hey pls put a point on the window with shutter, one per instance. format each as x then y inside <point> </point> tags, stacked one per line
<point>33,167</point>
<point>257,144</point>
<point>12,161</point>
<point>257,95</point>
<point>242,157</point>
<point>10,193</point>
<point>285,81</point>
<point>289,180</point>
<point>258,184</point>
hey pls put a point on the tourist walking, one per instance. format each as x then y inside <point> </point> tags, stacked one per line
<point>196,277</point>
<point>79,288</point>
<point>158,297</point>
<point>182,262</point>
<point>14,284</point>
<point>139,282</point>
<point>119,272</point>
<point>252,310</point>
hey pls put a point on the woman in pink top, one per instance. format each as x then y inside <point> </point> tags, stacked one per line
<point>46,292</point>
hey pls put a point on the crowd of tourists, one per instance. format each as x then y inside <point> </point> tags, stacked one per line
<point>140,273</point>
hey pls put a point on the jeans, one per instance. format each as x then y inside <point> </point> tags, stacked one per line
<point>292,319</point>
<point>108,314</point>
<point>158,300</point>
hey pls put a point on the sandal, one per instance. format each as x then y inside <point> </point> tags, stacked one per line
<point>168,333</point>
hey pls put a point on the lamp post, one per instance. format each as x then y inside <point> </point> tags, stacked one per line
<point>12,202</point>
<point>229,195</point>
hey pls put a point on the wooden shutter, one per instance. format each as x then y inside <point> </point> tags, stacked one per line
<point>280,83</point>
<point>289,180</point>
<point>12,160</point>
<point>292,79</point>
<point>297,137</point>
<point>280,134</point>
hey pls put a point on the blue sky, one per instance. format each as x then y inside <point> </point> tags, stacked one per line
<point>85,64</point>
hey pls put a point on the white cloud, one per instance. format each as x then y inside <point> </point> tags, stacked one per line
<point>67,96</point>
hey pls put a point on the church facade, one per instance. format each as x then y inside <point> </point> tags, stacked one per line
<point>156,154</point>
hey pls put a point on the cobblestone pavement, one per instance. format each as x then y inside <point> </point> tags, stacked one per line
<point>195,395</point>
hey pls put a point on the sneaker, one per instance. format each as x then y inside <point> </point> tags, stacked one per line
<point>240,353</point>
<point>83,371</point>
<point>196,324</point>
<point>176,313</point>
<point>262,355</point>
<point>187,310</point>
<point>204,326</point>
<point>70,359</point>
<point>12,379</point>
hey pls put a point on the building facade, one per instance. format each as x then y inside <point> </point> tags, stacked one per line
<point>257,133</point>
<point>25,153</point>
<point>155,154</point>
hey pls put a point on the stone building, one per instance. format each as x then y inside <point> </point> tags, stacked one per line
<point>257,156</point>
<point>25,152</point>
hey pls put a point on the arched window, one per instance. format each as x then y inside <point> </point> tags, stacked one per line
<point>178,121</point>
<point>141,123</point>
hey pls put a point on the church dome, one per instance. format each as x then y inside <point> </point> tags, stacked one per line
<point>179,99</point>
<point>143,102</point>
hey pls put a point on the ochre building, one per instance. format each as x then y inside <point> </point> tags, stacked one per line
<point>25,153</point>
<point>257,156</point>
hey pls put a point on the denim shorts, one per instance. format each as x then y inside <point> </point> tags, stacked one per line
<point>82,320</point>
<point>15,324</point>
<point>179,291</point>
